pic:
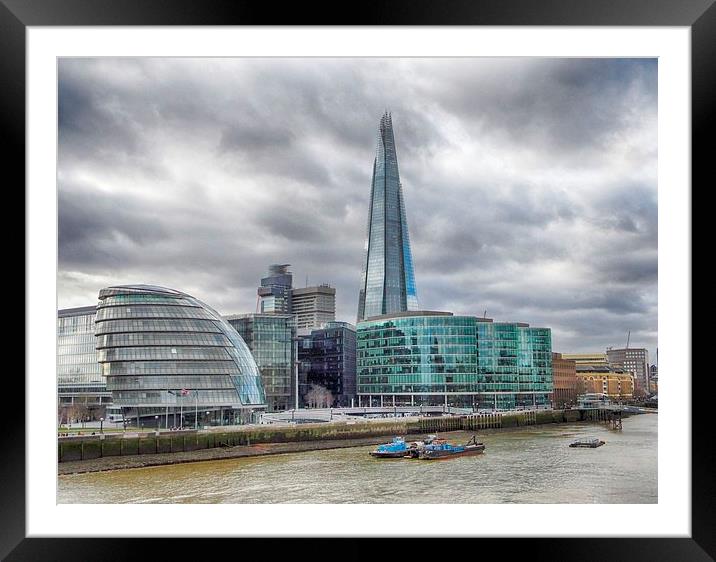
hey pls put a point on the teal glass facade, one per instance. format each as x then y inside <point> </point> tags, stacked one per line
<point>437,358</point>
<point>163,351</point>
<point>388,280</point>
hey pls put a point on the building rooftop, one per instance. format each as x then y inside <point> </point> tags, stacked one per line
<point>79,311</point>
<point>600,369</point>
<point>256,315</point>
<point>409,313</point>
<point>315,289</point>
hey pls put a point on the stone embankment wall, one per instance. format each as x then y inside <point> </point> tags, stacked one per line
<point>97,446</point>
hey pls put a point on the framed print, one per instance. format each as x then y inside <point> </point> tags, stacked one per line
<point>282,261</point>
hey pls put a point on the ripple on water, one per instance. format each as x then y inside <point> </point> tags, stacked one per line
<point>531,465</point>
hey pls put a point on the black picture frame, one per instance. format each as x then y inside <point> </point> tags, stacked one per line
<point>699,15</point>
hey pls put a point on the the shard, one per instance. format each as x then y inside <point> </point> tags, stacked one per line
<point>388,281</point>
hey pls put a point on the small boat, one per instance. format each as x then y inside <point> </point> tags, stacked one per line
<point>587,443</point>
<point>441,449</point>
<point>396,449</point>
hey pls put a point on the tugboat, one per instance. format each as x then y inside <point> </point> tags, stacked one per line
<point>396,449</point>
<point>441,449</point>
<point>587,443</point>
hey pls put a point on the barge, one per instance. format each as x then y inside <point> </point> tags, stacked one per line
<point>441,449</point>
<point>587,443</point>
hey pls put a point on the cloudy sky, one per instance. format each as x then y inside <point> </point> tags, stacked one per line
<point>530,184</point>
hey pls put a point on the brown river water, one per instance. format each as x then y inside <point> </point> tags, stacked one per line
<point>528,465</point>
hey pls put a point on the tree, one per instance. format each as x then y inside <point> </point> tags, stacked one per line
<point>319,397</point>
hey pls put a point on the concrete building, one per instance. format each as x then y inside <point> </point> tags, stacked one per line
<point>437,358</point>
<point>81,388</point>
<point>594,359</point>
<point>615,382</point>
<point>635,360</point>
<point>327,358</point>
<point>313,306</point>
<point>272,341</point>
<point>164,352</point>
<point>565,381</point>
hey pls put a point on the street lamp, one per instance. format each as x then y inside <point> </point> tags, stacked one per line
<point>207,416</point>
<point>101,421</point>
<point>157,418</point>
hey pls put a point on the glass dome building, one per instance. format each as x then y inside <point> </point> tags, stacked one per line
<point>165,353</point>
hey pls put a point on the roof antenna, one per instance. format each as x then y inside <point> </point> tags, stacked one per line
<point>485,314</point>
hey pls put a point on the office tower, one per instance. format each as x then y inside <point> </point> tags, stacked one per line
<point>388,281</point>
<point>313,306</point>
<point>275,290</point>
<point>635,360</point>
<point>271,339</point>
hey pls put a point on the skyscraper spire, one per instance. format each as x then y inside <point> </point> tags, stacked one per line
<point>388,281</point>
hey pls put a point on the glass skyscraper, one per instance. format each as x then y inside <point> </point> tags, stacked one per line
<point>275,290</point>
<point>437,358</point>
<point>388,281</point>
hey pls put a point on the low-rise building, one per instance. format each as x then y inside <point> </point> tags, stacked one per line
<point>565,381</point>
<point>593,359</point>
<point>81,389</point>
<point>327,358</point>
<point>615,382</point>
<point>437,358</point>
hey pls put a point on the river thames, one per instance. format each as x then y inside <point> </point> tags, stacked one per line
<point>527,465</point>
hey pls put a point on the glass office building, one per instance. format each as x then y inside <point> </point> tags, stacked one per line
<point>388,281</point>
<point>164,352</point>
<point>275,291</point>
<point>81,388</point>
<point>327,358</point>
<point>436,358</point>
<point>271,339</point>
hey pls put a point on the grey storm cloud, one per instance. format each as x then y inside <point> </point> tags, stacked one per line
<point>530,183</point>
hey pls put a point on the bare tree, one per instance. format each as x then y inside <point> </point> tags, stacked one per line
<point>319,397</point>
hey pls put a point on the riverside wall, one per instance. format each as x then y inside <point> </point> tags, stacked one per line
<point>91,447</point>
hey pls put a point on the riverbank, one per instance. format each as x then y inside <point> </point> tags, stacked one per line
<point>105,464</point>
<point>240,451</point>
<point>97,453</point>
<point>218,453</point>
